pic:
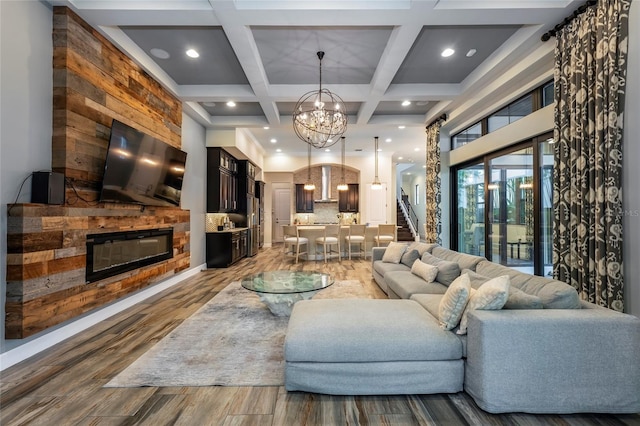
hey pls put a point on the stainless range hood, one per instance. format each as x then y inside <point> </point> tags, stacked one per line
<point>325,188</point>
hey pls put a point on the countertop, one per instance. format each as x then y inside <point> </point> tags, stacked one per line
<point>230,230</point>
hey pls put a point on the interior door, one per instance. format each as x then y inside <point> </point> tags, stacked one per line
<point>281,212</point>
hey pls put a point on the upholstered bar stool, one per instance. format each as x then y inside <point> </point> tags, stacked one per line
<point>331,238</point>
<point>386,235</point>
<point>356,236</point>
<point>293,241</point>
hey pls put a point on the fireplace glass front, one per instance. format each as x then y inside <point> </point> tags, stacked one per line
<point>114,253</point>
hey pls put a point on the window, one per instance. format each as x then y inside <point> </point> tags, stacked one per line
<point>547,94</point>
<point>511,113</point>
<point>532,101</point>
<point>467,135</point>
<point>417,197</point>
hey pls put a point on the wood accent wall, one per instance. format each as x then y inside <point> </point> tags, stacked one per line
<point>93,83</point>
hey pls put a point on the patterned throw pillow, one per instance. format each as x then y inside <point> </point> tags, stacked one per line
<point>491,295</point>
<point>453,302</point>
<point>425,271</point>
<point>393,253</point>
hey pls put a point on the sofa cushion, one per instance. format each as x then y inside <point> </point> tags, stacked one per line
<point>491,295</point>
<point>464,260</point>
<point>431,302</point>
<point>366,330</point>
<point>405,284</point>
<point>409,257</point>
<point>422,247</point>
<point>394,252</point>
<point>490,269</point>
<point>453,302</point>
<point>424,270</point>
<point>554,294</point>
<point>447,271</point>
<point>518,299</point>
<point>382,268</point>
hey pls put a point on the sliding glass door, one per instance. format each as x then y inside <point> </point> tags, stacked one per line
<point>504,208</point>
<point>510,209</point>
<point>470,183</point>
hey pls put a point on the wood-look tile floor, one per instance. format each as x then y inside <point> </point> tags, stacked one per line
<point>64,385</point>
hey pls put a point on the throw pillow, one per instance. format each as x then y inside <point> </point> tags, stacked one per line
<point>447,271</point>
<point>409,257</point>
<point>393,253</point>
<point>453,302</point>
<point>424,271</point>
<point>518,299</point>
<point>491,295</point>
<point>421,247</point>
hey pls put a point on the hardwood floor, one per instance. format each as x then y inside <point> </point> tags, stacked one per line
<point>63,385</point>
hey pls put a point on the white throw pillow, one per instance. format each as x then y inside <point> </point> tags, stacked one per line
<point>425,271</point>
<point>393,253</point>
<point>491,295</point>
<point>453,302</point>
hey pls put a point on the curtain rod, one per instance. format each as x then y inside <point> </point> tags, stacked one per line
<point>443,117</point>
<point>552,33</point>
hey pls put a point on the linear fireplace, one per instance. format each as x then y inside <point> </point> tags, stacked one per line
<point>117,252</point>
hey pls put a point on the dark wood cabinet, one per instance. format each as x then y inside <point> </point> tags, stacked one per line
<point>225,248</point>
<point>348,201</point>
<point>222,181</point>
<point>304,199</point>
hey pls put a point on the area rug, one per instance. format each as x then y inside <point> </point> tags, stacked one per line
<point>233,340</point>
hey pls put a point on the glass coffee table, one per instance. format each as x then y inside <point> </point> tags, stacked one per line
<point>280,290</point>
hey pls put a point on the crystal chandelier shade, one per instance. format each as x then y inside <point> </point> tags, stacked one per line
<point>320,116</point>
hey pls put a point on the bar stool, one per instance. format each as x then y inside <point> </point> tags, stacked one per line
<point>386,235</point>
<point>331,238</point>
<point>293,240</point>
<point>356,236</point>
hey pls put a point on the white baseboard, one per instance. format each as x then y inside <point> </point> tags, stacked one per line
<point>33,346</point>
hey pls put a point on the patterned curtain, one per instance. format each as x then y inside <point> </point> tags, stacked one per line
<point>433,223</point>
<point>590,74</point>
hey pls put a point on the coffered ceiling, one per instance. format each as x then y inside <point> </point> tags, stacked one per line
<point>378,53</point>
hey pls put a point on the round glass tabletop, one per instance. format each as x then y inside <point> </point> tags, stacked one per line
<point>286,282</point>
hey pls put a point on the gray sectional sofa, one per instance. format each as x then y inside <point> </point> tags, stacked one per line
<point>565,356</point>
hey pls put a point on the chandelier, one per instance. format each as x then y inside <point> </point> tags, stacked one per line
<point>320,117</point>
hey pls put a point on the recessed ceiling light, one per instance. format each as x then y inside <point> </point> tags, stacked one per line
<point>447,52</point>
<point>159,53</point>
<point>408,173</point>
<point>400,158</point>
<point>416,149</point>
<point>209,104</point>
<point>266,127</point>
<point>387,140</point>
<point>422,103</point>
<point>278,150</point>
<point>401,127</point>
<point>231,104</point>
<point>406,103</point>
<point>424,167</point>
<point>379,149</point>
<point>471,52</point>
<point>327,150</point>
<point>192,53</point>
<point>274,140</point>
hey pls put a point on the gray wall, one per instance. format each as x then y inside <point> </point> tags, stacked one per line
<point>26,85</point>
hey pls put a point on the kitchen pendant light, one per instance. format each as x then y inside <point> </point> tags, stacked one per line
<point>342,186</point>
<point>376,182</point>
<point>309,186</point>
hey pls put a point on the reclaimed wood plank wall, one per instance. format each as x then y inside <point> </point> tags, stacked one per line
<point>93,83</point>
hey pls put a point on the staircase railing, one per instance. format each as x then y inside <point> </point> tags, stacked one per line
<point>409,213</point>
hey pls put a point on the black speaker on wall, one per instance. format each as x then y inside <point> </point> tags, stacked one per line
<point>47,188</point>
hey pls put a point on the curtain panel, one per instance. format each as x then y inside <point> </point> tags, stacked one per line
<point>433,221</point>
<point>589,74</point>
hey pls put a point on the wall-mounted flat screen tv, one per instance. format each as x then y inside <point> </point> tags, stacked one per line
<point>141,169</point>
